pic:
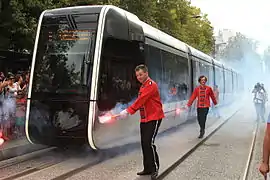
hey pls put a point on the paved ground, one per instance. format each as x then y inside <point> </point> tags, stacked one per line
<point>171,146</point>
<point>224,155</point>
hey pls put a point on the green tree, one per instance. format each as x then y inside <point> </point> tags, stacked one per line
<point>198,32</point>
<point>266,59</point>
<point>241,54</point>
<point>238,47</point>
<point>18,20</point>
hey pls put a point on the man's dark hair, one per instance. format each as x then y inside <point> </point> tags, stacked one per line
<point>200,78</point>
<point>141,67</point>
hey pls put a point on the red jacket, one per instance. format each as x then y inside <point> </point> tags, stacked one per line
<point>148,102</point>
<point>203,94</point>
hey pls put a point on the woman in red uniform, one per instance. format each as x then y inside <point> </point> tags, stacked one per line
<point>203,94</point>
<point>150,106</point>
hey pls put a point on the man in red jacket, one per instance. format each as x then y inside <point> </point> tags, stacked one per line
<point>150,106</point>
<point>203,94</point>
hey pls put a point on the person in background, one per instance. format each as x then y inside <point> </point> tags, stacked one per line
<point>259,101</point>
<point>203,94</point>
<point>150,106</point>
<point>20,113</point>
<point>3,85</point>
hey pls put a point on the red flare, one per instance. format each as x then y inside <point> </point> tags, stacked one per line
<point>1,141</point>
<point>178,111</point>
<point>107,118</point>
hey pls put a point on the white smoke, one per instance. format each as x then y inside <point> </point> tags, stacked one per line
<point>8,108</point>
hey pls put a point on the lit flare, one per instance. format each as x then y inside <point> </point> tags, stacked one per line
<point>179,110</point>
<point>107,118</point>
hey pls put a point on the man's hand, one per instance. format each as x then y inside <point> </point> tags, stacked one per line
<point>264,169</point>
<point>123,114</point>
<point>186,107</point>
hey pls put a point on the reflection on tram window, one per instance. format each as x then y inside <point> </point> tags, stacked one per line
<point>62,64</point>
<point>175,77</point>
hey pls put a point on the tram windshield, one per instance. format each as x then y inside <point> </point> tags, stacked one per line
<point>63,62</point>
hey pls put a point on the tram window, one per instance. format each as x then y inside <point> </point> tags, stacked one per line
<point>233,82</point>
<point>204,69</point>
<point>228,81</point>
<point>153,60</point>
<point>86,21</point>
<point>219,79</point>
<point>175,77</point>
<point>63,62</point>
<point>118,86</point>
<point>182,91</point>
<point>209,74</point>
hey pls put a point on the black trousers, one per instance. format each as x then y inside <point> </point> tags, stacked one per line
<point>149,131</point>
<point>201,116</point>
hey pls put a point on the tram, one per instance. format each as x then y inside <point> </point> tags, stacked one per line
<point>83,69</point>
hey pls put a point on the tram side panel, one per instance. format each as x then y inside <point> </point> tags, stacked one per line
<point>168,70</point>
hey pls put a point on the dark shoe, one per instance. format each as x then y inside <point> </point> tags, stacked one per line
<point>154,175</point>
<point>201,134</point>
<point>142,173</point>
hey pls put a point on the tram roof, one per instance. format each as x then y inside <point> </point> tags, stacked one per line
<point>149,30</point>
<point>76,9</point>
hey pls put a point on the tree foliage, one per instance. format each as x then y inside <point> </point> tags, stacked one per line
<point>266,58</point>
<point>241,54</point>
<point>18,20</point>
<point>238,47</point>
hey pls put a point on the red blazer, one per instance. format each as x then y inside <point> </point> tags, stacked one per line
<point>148,102</point>
<point>203,94</point>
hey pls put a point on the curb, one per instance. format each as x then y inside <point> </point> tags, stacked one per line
<point>250,155</point>
<point>19,150</point>
<point>179,161</point>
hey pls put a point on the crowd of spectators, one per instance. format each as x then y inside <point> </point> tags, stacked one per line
<point>13,95</point>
